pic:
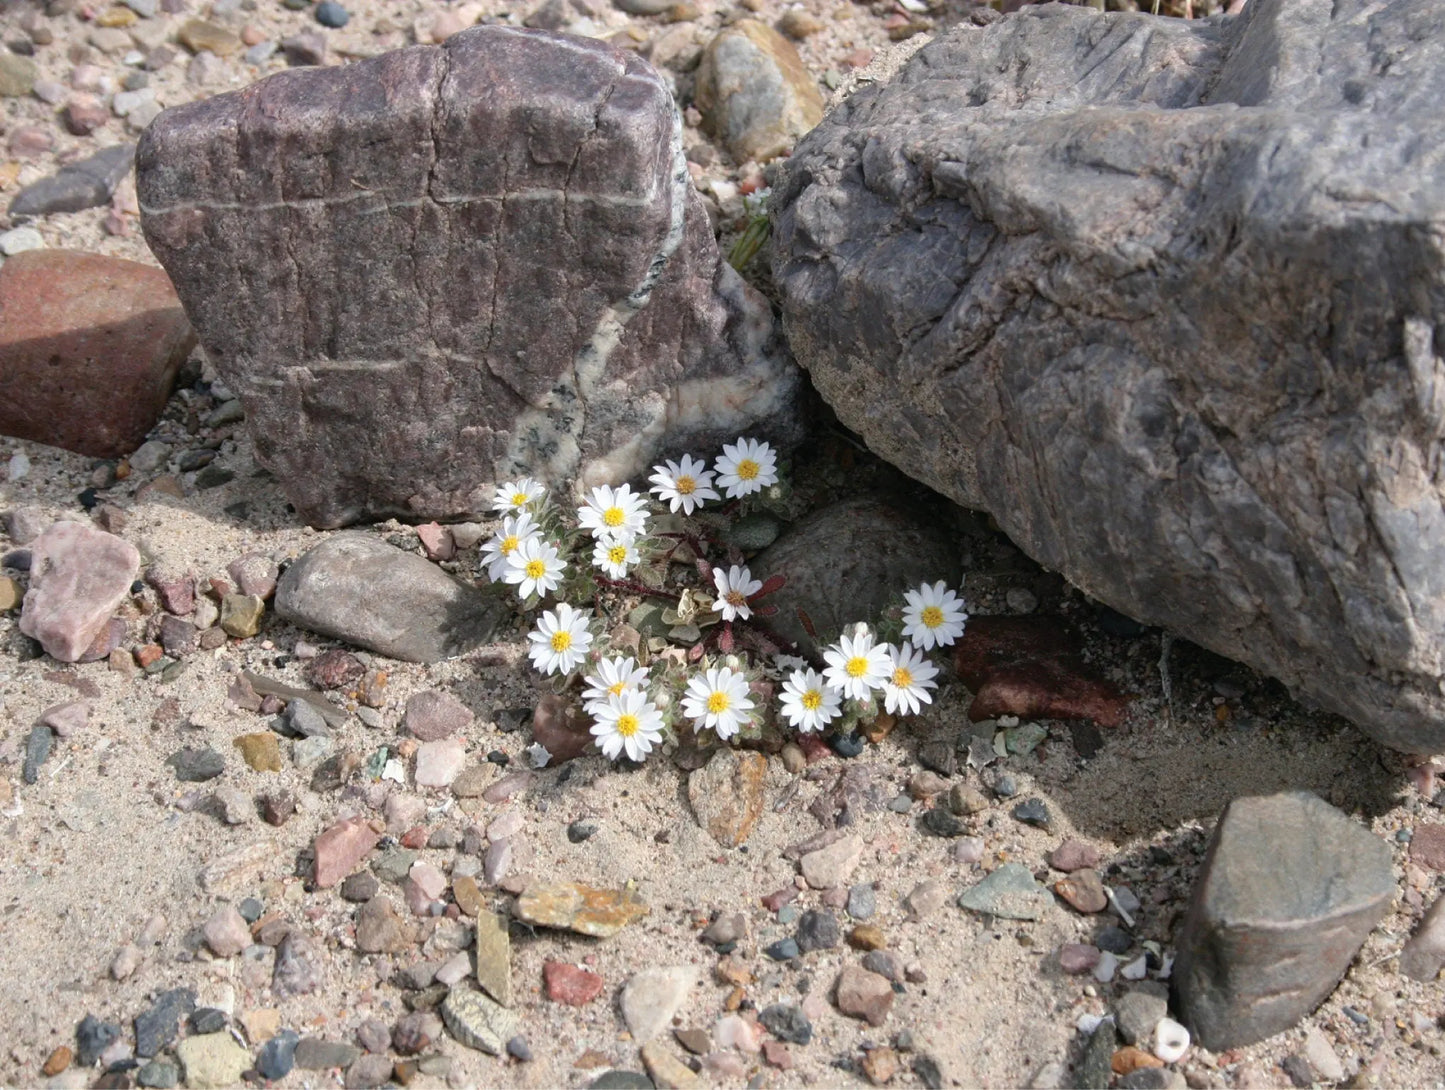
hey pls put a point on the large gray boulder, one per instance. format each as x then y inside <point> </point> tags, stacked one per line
<point>1167,298</point>
<point>453,264</point>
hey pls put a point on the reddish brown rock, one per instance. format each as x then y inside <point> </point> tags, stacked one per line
<point>335,669</point>
<point>864,995</point>
<point>562,727</point>
<point>1084,890</point>
<point>1078,957</point>
<point>433,715</point>
<point>568,984</point>
<point>78,576</point>
<point>436,541</point>
<point>549,307</point>
<point>91,347</point>
<point>1073,855</point>
<point>1032,667</point>
<point>340,848</point>
<point>1427,846</point>
<point>727,795</point>
<point>83,114</point>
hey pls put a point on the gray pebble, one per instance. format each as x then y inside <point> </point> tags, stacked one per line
<point>818,930</point>
<point>196,765</point>
<point>37,751</point>
<point>862,902</point>
<point>517,1048</point>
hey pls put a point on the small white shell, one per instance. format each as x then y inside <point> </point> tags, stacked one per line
<point>1171,1041</point>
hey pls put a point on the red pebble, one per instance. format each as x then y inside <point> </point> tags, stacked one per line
<point>774,901</point>
<point>568,984</point>
<point>415,837</point>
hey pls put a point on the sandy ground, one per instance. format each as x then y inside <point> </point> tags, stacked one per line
<point>107,839</point>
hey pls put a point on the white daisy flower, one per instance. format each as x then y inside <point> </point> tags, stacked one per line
<point>745,467</point>
<point>627,721</point>
<point>535,567</point>
<point>561,640</point>
<point>683,485</point>
<point>856,665</point>
<point>514,531</point>
<point>908,683</point>
<point>613,514</point>
<point>718,699</point>
<point>734,587</point>
<point>615,675</point>
<point>934,616</point>
<point>515,495</point>
<point>615,558</point>
<point>808,702</point>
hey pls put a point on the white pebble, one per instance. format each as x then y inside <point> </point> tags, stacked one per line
<point>1087,1023</point>
<point>1108,964</point>
<point>1171,1041</point>
<point>1137,969</point>
<point>19,465</point>
<point>19,240</point>
<point>394,770</point>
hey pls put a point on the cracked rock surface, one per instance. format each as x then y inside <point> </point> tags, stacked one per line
<point>446,265</point>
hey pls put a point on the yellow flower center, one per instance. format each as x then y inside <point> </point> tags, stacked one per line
<point>628,725</point>
<point>902,678</point>
<point>617,554</point>
<point>519,499</point>
<point>812,700</point>
<point>857,666</point>
<point>614,516</point>
<point>561,641</point>
<point>616,690</point>
<point>747,470</point>
<point>686,486</point>
<point>536,569</point>
<point>509,544</point>
<point>718,702</point>
<point>931,617</point>
<point>735,598</point>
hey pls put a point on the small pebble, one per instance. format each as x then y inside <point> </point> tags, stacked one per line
<point>782,950</point>
<point>331,14</point>
<point>581,830</point>
<point>862,902</point>
<point>847,745</point>
<point>518,1049</point>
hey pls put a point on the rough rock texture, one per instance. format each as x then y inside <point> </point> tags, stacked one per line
<point>76,186</point>
<point>1165,298</point>
<point>78,576</point>
<point>91,346</point>
<point>727,794</point>
<point>754,91</point>
<point>407,319</point>
<point>357,588</point>
<point>1289,890</point>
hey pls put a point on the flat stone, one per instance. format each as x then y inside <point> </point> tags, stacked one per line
<point>241,615</point>
<point>1138,1011</point>
<point>159,1026</point>
<point>341,848</point>
<point>1427,846</point>
<point>198,36</point>
<point>787,1022</point>
<point>38,744</point>
<point>1084,890</point>
<point>571,906</point>
<point>261,751</point>
<point>1424,954</point>
<point>78,576</point>
<point>494,956</point>
<point>1009,892</point>
<point>926,898</point>
<point>234,867</point>
<point>196,765</point>
<point>439,763</point>
<point>1078,957</point>
<point>299,965</point>
<point>420,286</point>
<point>570,984</point>
<point>316,1054</point>
<point>727,794</point>
<point>212,1061</point>
<point>666,1070</point>
<point>652,996</point>
<point>1073,855</point>
<point>75,187</point>
<point>817,930</point>
<point>831,866</point>
<point>756,95</point>
<point>1289,890</point>
<point>380,929</point>
<point>368,1072</point>
<point>355,587</point>
<point>477,1021</point>
<point>863,994</point>
<point>278,1056</point>
<point>227,933</point>
<point>432,715</point>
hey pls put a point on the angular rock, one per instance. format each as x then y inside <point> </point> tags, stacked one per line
<point>159,1026</point>
<point>1289,890</point>
<point>1009,892</point>
<point>847,563</point>
<point>433,715</point>
<point>666,1070</point>
<point>78,576</point>
<point>477,1021</point>
<point>1424,955</point>
<point>413,287</point>
<point>571,906</point>
<point>863,994</point>
<point>357,588</point>
<point>1036,330</point>
<point>727,794</point>
<point>227,933</point>
<point>340,848</point>
<point>651,997</point>
<point>212,1061</point>
<point>494,956</point>
<point>756,95</point>
<point>77,186</point>
<point>567,983</point>
<point>830,866</point>
<point>439,763</point>
<point>380,929</point>
<point>1084,890</point>
<point>91,345</point>
<point>315,1054</point>
<point>298,968</point>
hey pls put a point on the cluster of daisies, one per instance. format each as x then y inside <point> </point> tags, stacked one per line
<point>632,705</point>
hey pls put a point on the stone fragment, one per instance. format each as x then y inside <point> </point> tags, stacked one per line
<point>477,1021</point>
<point>439,763</point>
<point>494,956</point>
<point>380,929</point>
<point>666,1070</point>
<point>341,848</point>
<point>37,751</point>
<point>78,576</point>
<point>241,615</point>
<point>212,1061</point>
<point>562,728</point>
<point>572,906</point>
<point>194,765</point>
<point>75,187</point>
<point>1009,892</point>
<point>368,1072</point>
<point>159,1025</point>
<point>926,898</point>
<point>652,996</point>
<point>727,794</point>
<point>1078,957</point>
<point>198,36</point>
<point>787,1022</point>
<point>863,994</point>
<point>756,95</point>
<point>126,961</point>
<point>1138,1011</point>
<point>278,1056</point>
<point>830,867</point>
<point>439,323</point>
<point>230,869</point>
<point>1322,1056</point>
<point>1073,855</point>
<point>315,1054</point>
<point>567,983</point>
<point>298,969</point>
<point>227,933</point>
<point>1427,846</point>
<point>1289,890</point>
<point>1084,890</point>
<point>1424,954</point>
<point>335,669</point>
<point>432,715</point>
<point>846,562</point>
<point>261,751</point>
<point>1044,409</point>
<point>17,75</point>
<point>355,587</point>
